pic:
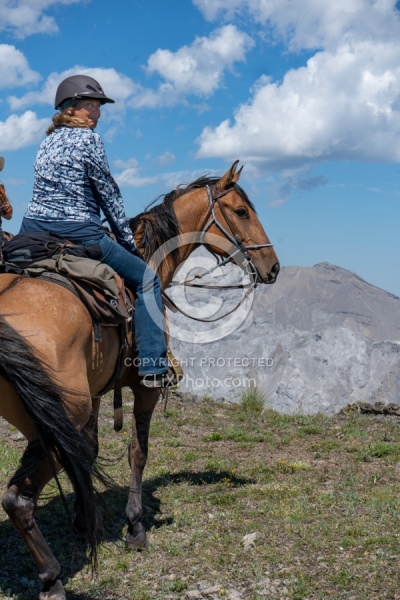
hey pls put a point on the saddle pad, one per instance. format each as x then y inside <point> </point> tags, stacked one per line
<point>106,309</point>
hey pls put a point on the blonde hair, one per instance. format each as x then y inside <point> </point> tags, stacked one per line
<point>67,118</point>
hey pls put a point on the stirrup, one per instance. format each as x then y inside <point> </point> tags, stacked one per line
<point>174,365</point>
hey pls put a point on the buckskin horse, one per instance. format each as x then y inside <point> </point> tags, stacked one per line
<point>46,342</point>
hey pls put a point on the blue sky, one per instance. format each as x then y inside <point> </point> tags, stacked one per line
<point>306,94</point>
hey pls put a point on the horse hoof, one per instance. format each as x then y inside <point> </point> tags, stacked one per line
<point>55,592</point>
<point>137,540</point>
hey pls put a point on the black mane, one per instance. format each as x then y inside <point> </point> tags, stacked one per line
<point>158,223</point>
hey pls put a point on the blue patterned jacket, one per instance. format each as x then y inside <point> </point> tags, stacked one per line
<point>73,182</point>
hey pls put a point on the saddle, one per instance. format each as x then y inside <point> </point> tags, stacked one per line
<point>101,289</point>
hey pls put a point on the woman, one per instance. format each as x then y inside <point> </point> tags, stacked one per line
<point>72,183</point>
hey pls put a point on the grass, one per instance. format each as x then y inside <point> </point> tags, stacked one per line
<point>252,402</point>
<point>321,494</point>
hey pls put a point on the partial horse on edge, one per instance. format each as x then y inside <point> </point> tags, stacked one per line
<point>46,342</point>
<point>6,210</point>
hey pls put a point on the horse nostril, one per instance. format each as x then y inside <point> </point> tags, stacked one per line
<point>275,270</point>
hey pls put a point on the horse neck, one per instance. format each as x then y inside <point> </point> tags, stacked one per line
<point>191,211</point>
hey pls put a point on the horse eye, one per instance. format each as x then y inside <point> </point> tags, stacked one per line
<point>241,212</point>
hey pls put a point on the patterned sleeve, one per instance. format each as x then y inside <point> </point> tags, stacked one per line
<point>107,191</point>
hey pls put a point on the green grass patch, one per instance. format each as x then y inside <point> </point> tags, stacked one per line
<point>321,494</point>
<point>252,402</point>
<point>382,449</point>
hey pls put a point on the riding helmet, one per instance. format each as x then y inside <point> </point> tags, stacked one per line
<point>80,86</point>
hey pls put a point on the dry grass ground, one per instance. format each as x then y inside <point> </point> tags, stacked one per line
<point>320,495</point>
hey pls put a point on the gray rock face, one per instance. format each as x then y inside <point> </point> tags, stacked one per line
<point>317,340</point>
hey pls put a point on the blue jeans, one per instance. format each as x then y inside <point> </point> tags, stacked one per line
<point>148,315</point>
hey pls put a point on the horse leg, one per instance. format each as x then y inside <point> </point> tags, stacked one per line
<point>144,405</point>
<point>19,502</point>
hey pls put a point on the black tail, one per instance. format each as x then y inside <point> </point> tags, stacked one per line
<point>44,401</point>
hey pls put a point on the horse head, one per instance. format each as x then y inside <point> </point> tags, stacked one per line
<point>211,211</point>
<point>232,216</point>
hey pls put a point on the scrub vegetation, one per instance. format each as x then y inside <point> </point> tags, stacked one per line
<point>240,501</point>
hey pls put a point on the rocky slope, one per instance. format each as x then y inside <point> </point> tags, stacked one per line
<point>317,340</point>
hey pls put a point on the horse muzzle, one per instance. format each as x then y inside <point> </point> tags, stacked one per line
<point>270,276</point>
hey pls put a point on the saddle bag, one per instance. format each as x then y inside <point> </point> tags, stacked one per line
<point>25,248</point>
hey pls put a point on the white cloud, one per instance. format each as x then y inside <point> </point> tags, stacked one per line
<point>344,104</point>
<point>117,86</point>
<point>21,131</point>
<point>313,23</point>
<point>131,163</point>
<point>212,8</point>
<point>165,95</point>
<point>316,24</point>
<point>197,69</point>
<point>167,181</point>
<point>130,174</point>
<point>22,18</point>
<point>130,178</point>
<point>14,68</point>
<point>166,159</point>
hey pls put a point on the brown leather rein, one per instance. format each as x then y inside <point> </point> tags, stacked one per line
<point>233,236</point>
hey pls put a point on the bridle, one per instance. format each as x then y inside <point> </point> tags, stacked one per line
<point>214,197</point>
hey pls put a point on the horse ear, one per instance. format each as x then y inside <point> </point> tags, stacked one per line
<point>230,177</point>
<point>1,163</point>
<point>236,176</point>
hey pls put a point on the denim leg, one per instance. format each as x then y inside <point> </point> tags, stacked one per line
<point>148,315</point>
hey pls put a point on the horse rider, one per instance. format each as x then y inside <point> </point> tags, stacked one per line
<point>72,183</point>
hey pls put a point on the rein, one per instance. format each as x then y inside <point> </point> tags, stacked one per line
<point>233,236</point>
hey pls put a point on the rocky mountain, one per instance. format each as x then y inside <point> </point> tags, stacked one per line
<point>318,339</point>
